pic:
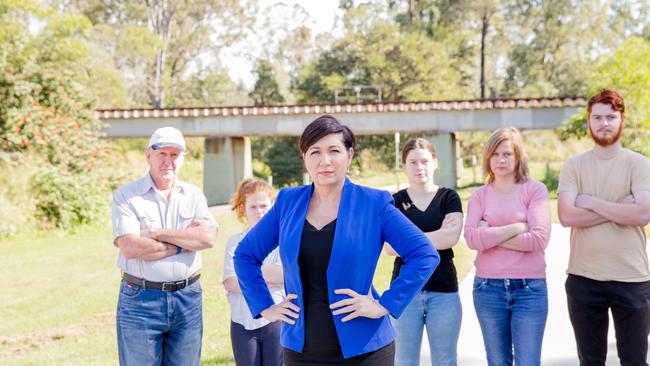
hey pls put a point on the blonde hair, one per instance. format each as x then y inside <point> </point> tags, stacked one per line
<point>521,161</point>
<point>246,187</point>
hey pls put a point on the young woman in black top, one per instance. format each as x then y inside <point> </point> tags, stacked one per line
<point>437,211</point>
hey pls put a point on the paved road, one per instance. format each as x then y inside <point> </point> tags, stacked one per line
<point>559,347</point>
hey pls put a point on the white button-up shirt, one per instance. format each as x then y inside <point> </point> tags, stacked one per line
<point>239,311</point>
<point>140,205</point>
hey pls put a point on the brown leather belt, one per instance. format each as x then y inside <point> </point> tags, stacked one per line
<point>163,286</point>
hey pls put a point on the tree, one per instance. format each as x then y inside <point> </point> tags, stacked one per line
<point>266,90</point>
<point>453,25</point>
<point>43,108</point>
<point>408,66</point>
<point>210,85</point>
<point>627,71</point>
<point>46,114</point>
<point>487,10</point>
<point>159,44</point>
<point>556,42</point>
<point>284,159</point>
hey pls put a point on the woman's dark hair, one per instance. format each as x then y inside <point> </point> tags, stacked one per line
<point>417,143</point>
<point>323,126</point>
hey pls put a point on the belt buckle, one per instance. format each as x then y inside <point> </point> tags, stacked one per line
<point>168,286</point>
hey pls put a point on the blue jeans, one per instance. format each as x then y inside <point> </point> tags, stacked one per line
<point>159,328</point>
<point>512,314</point>
<point>441,312</point>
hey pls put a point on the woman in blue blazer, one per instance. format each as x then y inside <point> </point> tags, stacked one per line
<point>331,234</point>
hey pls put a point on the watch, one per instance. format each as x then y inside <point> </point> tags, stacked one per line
<point>154,234</point>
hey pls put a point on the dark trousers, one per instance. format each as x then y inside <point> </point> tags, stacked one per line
<point>256,347</point>
<point>384,356</point>
<point>589,302</point>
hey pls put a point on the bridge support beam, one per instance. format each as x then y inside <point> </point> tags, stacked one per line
<point>227,161</point>
<point>447,153</point>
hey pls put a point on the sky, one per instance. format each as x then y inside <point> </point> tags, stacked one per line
<point>323,15</point>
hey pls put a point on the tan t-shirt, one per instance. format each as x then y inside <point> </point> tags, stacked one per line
<point>609,251</point>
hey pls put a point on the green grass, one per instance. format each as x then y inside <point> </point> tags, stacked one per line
<point>61,290</point>
<point>60,294</point>
<point>380,178</point>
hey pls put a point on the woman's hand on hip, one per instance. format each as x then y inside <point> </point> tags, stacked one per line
<point>285,311</point>
<point>357,305</point>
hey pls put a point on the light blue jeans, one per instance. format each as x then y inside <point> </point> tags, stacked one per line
<point>512,314</point>
<point>441,312</point>
<point>159,328</point>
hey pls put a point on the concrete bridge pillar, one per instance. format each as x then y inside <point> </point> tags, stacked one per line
<point>447,153</point>
<point>227,161</point>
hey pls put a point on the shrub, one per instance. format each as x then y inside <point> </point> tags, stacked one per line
<point>551,178</point>
<point>65,200</point>
<point>284,159</point>
<point>261,170</point>
<point>17,210</point>
<point>47,113</point>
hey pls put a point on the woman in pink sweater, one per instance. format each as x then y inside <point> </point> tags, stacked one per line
<point>509,224</point>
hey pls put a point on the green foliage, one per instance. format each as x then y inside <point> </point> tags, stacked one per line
<point>17,202</point>
<point>554,59</point>
<point>551,178</point>
<point>261,170</point>
<point>46,116</point>
<point>65,201</point>
<point>284,159</point>
<point>453,24</point>
<point>45,111</point>
<point>576,126</point>
<point>381,148</point>
<point>472,143</point>
<point>267,89</point>
<point>158,46</point>
<point>208,86</point>
<point>408,66</point>
<point>627,71</point>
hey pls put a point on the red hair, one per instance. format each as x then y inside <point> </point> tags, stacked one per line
<point>246,187</point>
<point>607,96</point>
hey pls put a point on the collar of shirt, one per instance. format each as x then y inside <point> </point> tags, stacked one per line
<point>148,184</point>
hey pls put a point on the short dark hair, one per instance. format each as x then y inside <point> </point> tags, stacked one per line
<point>323,126</point>
<point>417,143</point>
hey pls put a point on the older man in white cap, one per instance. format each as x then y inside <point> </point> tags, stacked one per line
<point>160,225</point>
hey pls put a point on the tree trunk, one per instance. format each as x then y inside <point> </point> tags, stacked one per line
<point>162,13</point>
<point>484,31</point>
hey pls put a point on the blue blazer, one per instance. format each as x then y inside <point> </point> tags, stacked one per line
<point>366,219</point>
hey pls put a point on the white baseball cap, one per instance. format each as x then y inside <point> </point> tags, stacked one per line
<point>167,137</point>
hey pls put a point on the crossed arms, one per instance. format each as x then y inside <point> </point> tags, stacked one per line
<point>445,237</point>
<point>198,236</point>
<point>581,210</point>
<point>528,236</point>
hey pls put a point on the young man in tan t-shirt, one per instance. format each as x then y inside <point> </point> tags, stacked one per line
<point>604,196</point>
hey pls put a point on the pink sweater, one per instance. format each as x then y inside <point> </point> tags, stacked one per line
<point>529,203</point>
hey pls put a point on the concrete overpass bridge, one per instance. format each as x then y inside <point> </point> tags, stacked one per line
<point>226,129</point>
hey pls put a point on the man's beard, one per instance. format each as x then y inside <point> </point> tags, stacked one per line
<point>606,141</point>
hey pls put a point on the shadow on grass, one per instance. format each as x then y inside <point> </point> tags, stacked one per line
<point>218,361</point>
